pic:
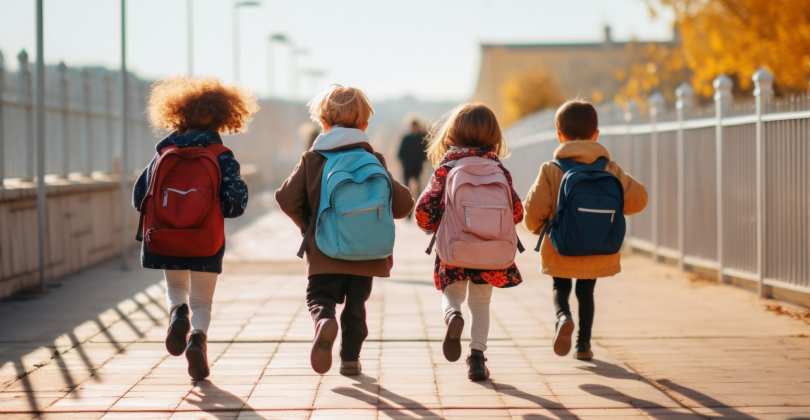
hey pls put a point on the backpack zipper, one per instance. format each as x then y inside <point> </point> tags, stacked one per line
<point>610,212</point>
<point>467,211</point>
<point>378,208</point>
<point>166,194</point>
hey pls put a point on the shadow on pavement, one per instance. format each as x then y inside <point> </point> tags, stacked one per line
<point>609,370</point>
<point>217,402</point>
<point>368,388</point>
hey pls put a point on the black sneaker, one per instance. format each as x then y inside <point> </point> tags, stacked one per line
<point>179,327</point>
<point>583,350</point>
<point>451,346</point>
<point>562,335</point>
<point>197,355</point>
<point>477,366</point>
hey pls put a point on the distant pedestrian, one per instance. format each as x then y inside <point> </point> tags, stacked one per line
<point>335,271</point>
<point>192,183</point>
<point>413,154</point>
<point>471,205</point>
<point>581,233</point>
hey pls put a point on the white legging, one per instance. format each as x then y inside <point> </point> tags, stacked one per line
<point>194,288</point>
<point>480,295</point>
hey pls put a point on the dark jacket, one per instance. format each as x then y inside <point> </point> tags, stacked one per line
<point>300,197</point>
<point>233,196</point>
<point>413,153</point>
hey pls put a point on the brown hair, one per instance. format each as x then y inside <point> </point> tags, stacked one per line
<point>467,125</point>
<point>577,120</point>
<point>344,106</point>
<point>182,104</point>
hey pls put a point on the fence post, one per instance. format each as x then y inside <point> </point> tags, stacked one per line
<point>2,132</point>
<point>109,117</point>
<point>630,114</point>
<point>88,111</point>
<point>65,132</point>
<point>656,110</point>
<point>28,87</point>
<point>763,82</point>
<point>685,101</point>
<point>722,100</point>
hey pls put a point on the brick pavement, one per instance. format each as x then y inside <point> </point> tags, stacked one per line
<point>666,348</point>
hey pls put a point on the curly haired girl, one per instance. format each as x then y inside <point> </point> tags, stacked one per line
<point>470,130</point>
<point>196,111</point>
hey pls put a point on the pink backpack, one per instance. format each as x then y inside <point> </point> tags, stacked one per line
<point>477,230</point>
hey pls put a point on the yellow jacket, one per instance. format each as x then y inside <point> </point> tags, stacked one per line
<point>541,205</point>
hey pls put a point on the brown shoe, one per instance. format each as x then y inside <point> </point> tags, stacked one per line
<point>350,368</point>
<point>197,355</point>
<point>477,366</point>
<point>451,346</point>
<point>583,351</point>
<point>562,335</point>
<point>321,355</point>
<point>179,327</point>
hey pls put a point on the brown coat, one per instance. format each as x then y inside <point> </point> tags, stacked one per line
<point>304,187</point>
<point>541,205</point>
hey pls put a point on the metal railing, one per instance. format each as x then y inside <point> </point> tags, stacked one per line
<point>82,114</point>
<point>729,187</point>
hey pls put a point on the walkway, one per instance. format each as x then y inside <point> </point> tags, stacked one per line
<point>667,347</point>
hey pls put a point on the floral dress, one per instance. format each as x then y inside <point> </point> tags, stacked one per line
<point>429,211</point>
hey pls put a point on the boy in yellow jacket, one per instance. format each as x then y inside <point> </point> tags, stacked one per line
<point>577,130</point>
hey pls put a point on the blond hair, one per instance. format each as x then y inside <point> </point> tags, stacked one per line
<point>182,104</point>
<point>468,125</point>
<point>344,106</point>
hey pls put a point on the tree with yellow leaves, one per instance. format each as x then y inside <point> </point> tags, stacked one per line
<point>732,37</point>
<point>529,92</point>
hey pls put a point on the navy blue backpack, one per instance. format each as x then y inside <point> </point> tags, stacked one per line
<point>590,210</point>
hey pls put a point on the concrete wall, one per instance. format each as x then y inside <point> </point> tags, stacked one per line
<point>83,225</point>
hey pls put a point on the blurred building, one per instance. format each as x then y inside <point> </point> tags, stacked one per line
<point>582,69</point>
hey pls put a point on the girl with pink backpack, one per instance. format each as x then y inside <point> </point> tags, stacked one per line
<point>472,209</point>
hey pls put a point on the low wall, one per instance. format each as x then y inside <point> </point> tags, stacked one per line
<point>83,228</point>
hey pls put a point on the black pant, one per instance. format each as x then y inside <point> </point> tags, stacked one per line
<point>324,291</point>
<point>584,291</point>
<point>409,174</point>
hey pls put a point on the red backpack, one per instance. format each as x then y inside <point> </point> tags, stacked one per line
<point>180,214</point>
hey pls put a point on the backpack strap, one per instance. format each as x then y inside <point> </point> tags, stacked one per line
<point>217,148</point>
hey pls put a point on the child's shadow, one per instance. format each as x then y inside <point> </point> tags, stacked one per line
<point>369,390</point>
<point>609,370</point>
<point>217,402</point>
<point>541,402</point>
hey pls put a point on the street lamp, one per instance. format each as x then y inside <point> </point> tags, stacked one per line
<point>271,70</point>
<point>314,75</point>
<point>294,53</point>
<point>190,36</point>
<point>236,6</point>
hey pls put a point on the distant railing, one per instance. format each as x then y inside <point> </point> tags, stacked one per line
<point>83,117</point>
<point>729,186</point>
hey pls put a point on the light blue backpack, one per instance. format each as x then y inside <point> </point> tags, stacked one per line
<point>355,221</point>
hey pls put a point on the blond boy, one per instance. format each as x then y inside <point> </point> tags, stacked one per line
<point>343,113</point>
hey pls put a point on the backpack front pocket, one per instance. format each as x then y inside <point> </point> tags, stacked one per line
<point>184,208</point>
<point>483,220</point>
<point>362,228</point>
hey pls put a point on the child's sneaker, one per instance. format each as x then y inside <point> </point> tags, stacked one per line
<point>321,355</point>
<point>350,368</point>
<point>562,335</point>
<point>477,366</point>
<point>583,350</point>
<point>197,355</point>
<point>451,346</point>
<point>179,327</point>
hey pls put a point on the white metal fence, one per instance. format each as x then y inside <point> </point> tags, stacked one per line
<point>729,185</point>
<point>82,114</point>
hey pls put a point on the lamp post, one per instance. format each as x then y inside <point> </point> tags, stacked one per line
<point>271,56</point>
<point>40,130</point>
<point>236,6</point>
<point>190,36</point>
<point>294,53</point>
<point>125,238</point>
<point>314,75</point>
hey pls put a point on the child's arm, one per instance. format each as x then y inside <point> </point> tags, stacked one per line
<point>141,185</point>
<point>635,195</point>
<point>517,205</point>
<point>430,206</point>
<point>233,191</point>
<point>291,197</point>
<point>538,204</point>
<point>401,198</point>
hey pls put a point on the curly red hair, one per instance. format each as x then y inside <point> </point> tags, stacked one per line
<point>182,104</point>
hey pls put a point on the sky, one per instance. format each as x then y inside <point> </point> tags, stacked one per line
<point>428,49</point>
